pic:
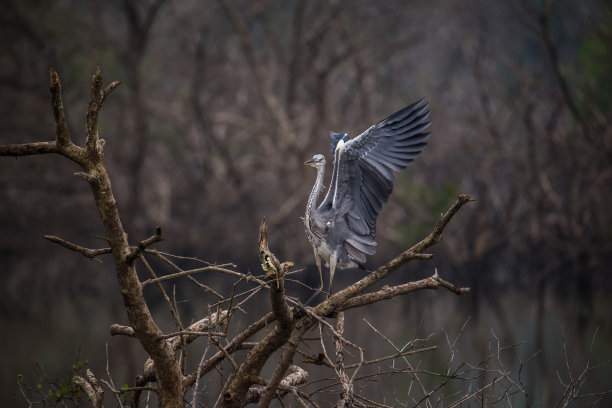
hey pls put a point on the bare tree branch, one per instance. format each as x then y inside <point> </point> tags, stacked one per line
<point>142,245</point>
<point>249,371</point>
<point>27,149</point>
<point>90,159</point>
<point>335,301</point>
<point>92,388</point>
<point>90,253</point>
<point>387,292</point>
<point>346,396</point>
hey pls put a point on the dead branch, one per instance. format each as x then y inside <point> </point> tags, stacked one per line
<point>220,268</point>
<point>193,331</point>
<point>249,371</point>
<point>297,376</point>
<point>346,396</point>
<point>90,158</point>
<point>142,245</point>
<point>277,271</point>
<point>117,329</point>
<point>110,88</point>
<point>27,149</point>
<point>90,253</point>
<point>92,388</point>
<point>388,292</point>
<point>234,345</point>
<point>164,257</point>
<point>335,301</point>
<point>283,365</point>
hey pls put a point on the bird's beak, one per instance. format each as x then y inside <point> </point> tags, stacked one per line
<point>310,162</point>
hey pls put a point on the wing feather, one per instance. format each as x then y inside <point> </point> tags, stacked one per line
<point>415,115</point>
<point>379,166</point>
<point>355,253</point>
<point>364,171</point>
<point>400,115</point>
<point>366,249</point>
<point>368,163</point>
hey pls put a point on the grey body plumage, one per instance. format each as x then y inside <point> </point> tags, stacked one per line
<point>342,229</point>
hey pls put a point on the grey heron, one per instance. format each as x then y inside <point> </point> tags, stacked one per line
<point>342,229</point>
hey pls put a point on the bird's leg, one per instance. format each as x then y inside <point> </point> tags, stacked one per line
<point>332,269</point>
<point>318,261</point>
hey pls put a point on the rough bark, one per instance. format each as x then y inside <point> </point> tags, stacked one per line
<point>249,371</point>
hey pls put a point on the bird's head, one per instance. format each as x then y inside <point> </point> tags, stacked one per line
<point>318,160</point>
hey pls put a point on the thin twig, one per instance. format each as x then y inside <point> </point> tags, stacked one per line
<point>219,268</point>
<point>90,253</point>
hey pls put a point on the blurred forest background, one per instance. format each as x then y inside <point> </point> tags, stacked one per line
<point>221,102</point>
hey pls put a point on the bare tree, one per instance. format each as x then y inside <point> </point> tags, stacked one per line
<point>166,372</point>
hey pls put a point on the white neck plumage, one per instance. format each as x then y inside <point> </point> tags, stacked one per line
<point>314,195</point>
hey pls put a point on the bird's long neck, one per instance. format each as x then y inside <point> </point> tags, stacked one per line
<point>314,195</point>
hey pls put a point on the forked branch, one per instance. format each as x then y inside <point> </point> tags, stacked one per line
<point>248,373</point>
<point>90,158</point>
<point>415,252</point>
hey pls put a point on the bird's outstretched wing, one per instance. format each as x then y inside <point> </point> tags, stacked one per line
<point>365,168</point>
